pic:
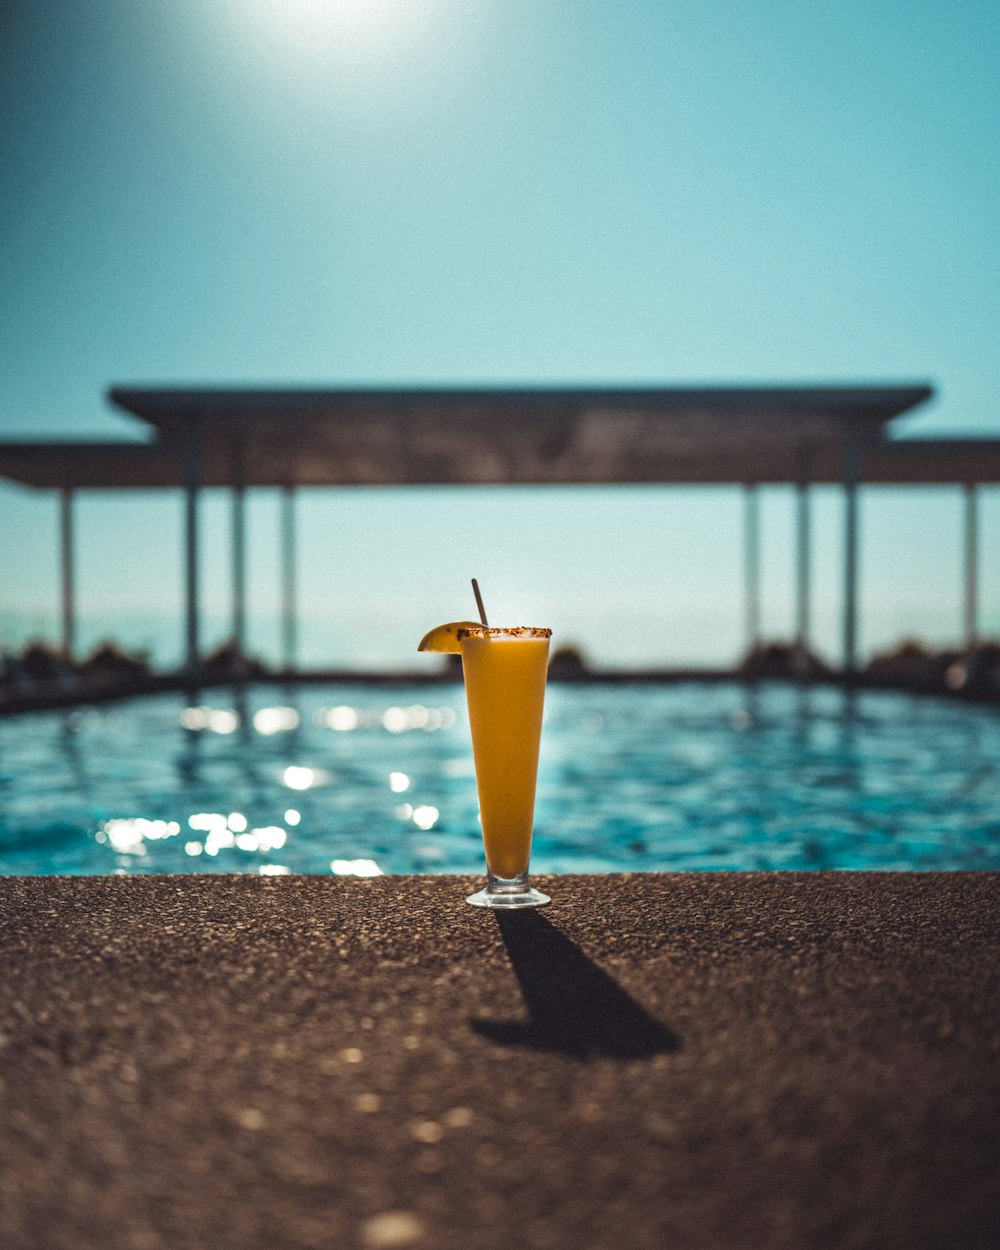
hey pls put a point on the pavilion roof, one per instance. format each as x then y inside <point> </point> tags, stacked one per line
<point>489,435</point>
<point>510,435</point>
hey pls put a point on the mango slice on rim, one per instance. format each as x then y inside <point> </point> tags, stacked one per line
<point>445,637</point>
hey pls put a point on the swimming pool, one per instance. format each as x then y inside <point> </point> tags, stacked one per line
<point>358,778</point>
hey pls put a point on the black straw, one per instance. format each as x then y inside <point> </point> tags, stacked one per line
<point>479,603</point>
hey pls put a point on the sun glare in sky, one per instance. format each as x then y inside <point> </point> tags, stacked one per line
<point>331,31</point>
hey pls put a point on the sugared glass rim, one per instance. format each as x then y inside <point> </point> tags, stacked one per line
<point>500,631</point>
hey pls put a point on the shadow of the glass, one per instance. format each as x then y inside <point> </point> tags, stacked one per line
<point>574,1007</point>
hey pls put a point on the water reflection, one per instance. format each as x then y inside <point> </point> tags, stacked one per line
<point>355,868</point>
<point>228,832</point>
<point>275,720</point>
<point>218,720</point>
<point>631,778</point>
<point>189,756</point>
<point>240,710</point>
<point>342,718</point>
<point>299,777</point>
<point>130,835</point>
<point>802,716</point>
<point>751,703</point>
<point>68,739</point>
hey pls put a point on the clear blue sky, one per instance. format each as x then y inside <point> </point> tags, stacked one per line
<point>293,191</point>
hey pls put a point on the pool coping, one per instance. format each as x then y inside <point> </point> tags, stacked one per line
<point>684,1060</point>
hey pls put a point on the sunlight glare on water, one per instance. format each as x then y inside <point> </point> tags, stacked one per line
<point>631,778</point>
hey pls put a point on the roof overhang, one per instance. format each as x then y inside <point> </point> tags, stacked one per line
<point>497,436</point>
<point>527,435</point>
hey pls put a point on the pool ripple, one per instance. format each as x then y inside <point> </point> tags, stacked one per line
<point>631,778</point>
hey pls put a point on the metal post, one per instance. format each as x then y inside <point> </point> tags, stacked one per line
<point>971,565</point>
<point>751,565</point>
<point>289,620</point>
<point>852,477</point>
<point>239,549</point>
<point>803,577</point>
<point>67,568</point>
<point>192,488</point>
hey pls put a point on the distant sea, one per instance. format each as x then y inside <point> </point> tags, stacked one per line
<point>383,640</point>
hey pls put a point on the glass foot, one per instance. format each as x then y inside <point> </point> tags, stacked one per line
<point>501,894</point>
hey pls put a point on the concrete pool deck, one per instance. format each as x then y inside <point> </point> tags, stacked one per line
<point>668,1061</point>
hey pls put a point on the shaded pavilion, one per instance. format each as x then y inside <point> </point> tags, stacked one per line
<point>746,436</point>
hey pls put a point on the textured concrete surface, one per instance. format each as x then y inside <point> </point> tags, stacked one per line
<point>703,1060</point>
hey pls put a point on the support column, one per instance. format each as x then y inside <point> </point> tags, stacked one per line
<point>751,565</point>
<point>239,564</point>
<point>852,478</point>
<point>803,577</point>
<point>192,490</point>
<point>67,572</point>
<point>289,606</point>
<point>971,565</point>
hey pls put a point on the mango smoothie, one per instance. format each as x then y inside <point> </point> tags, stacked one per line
<point>504,672</point>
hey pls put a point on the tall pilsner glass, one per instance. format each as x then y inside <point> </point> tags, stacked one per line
<point>504,672</point>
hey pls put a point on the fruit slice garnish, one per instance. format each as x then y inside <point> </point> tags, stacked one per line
<point>445,637</point>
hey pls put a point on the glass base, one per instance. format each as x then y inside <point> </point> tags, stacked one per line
<point>502,894</point>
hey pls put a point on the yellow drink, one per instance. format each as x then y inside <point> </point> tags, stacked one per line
<point>504,673</point>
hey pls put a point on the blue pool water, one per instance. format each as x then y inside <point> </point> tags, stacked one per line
<point>361,779</point>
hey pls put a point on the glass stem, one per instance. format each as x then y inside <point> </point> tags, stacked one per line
<point>507,885</point>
